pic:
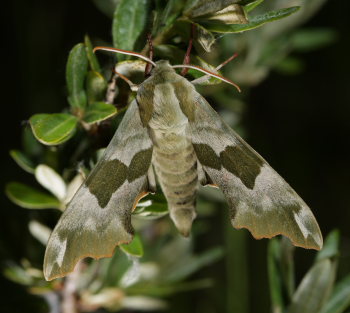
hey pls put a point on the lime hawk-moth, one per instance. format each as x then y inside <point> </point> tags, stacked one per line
<point>171,132</point>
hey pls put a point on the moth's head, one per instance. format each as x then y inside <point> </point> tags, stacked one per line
<point>162,66</point>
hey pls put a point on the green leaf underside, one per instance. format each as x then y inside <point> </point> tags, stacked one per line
<point>96,86</point>
<point>134,248</point>
<point>53,129</point>
<point>314,288</point>
<point>30,198</point>
<point>128,24</point>
<point>76,71</point>
<point>340,298</point>
<point>23,161</point>
<point>155,210</point>
<point>98,112</point>
<point>254,22</point>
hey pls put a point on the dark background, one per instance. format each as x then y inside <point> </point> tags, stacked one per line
<point>300,124</point>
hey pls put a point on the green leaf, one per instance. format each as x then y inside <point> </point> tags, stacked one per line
<point>310,39</point>
<point>93,61</point>
<point>134,248</point>
<point>193,264</point>
<point>275,275</point>
<point>96,86</point>
<point>106,6</point>
<point>129,21</point>
<point>169,289</point>
<point>98,112</point>
<point>314,289</point>
<point>53,129</point>
<point>18,275</point>
<point>51,181</point>
<point>150,210</point>
<point>76,71</point>
<point>39,231</point>
<point>254,22</point>
<point>168,15</point>
<point>252,5</point>
<point>30,198</point>
<point>340,298</point>
<point>330,247</point>
<point>23,161</point>
<point>287,266</point>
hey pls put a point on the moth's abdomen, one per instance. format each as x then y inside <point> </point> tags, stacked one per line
<point>176,169</point>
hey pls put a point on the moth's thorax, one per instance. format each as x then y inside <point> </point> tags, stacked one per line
<point>160,99</point>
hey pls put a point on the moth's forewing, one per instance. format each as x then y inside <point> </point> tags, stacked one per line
<point>99,216</point>
<point>259,199</point>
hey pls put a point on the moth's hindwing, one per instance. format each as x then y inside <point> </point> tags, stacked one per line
<point>99,216</point>
<point>259,199</point>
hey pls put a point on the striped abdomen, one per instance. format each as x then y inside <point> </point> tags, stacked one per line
<point>175,164</point>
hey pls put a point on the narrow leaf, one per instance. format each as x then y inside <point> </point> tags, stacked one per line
<point>340,298</point>
<point>275,275</point>
<point>23,161</point>
<point>168,289</point>
<point>39,231</point>
<point>129,21</point>
<point>330,247</point>
<point>194,264</point>
<point>150,210</point>
<point>53,129</point>
<point>310,39</point>
<point>76,71</point>
<point>30,198</point>
<point>252,5</point>
<point>93,61</point>
<point>50,180</point>
<point>98,112</point>
<point>134,248</point>
<point>168,15</point>
<point>314,289</point>
<point>254,22</point>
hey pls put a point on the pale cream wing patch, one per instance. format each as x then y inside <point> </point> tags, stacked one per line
<point>259,199</point>
<point>99,216</point>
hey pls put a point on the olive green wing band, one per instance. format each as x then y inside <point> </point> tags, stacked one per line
<point>99,216</point>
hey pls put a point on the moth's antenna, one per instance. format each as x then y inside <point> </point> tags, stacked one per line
<point>132,86</point>
<point>206,77</point>
<point>135,54</point>
<point>235,55</point>
<point>226,80</point>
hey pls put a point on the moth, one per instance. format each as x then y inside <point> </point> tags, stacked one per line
<point>171,132</point>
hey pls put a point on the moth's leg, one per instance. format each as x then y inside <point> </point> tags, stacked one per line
<point>188,52</point>
<point>152,185</point>
<point>203,177</point>
<point>201,174</point>
<point>148,67</point>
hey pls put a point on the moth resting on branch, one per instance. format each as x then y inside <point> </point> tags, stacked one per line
<point>171,132</point>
